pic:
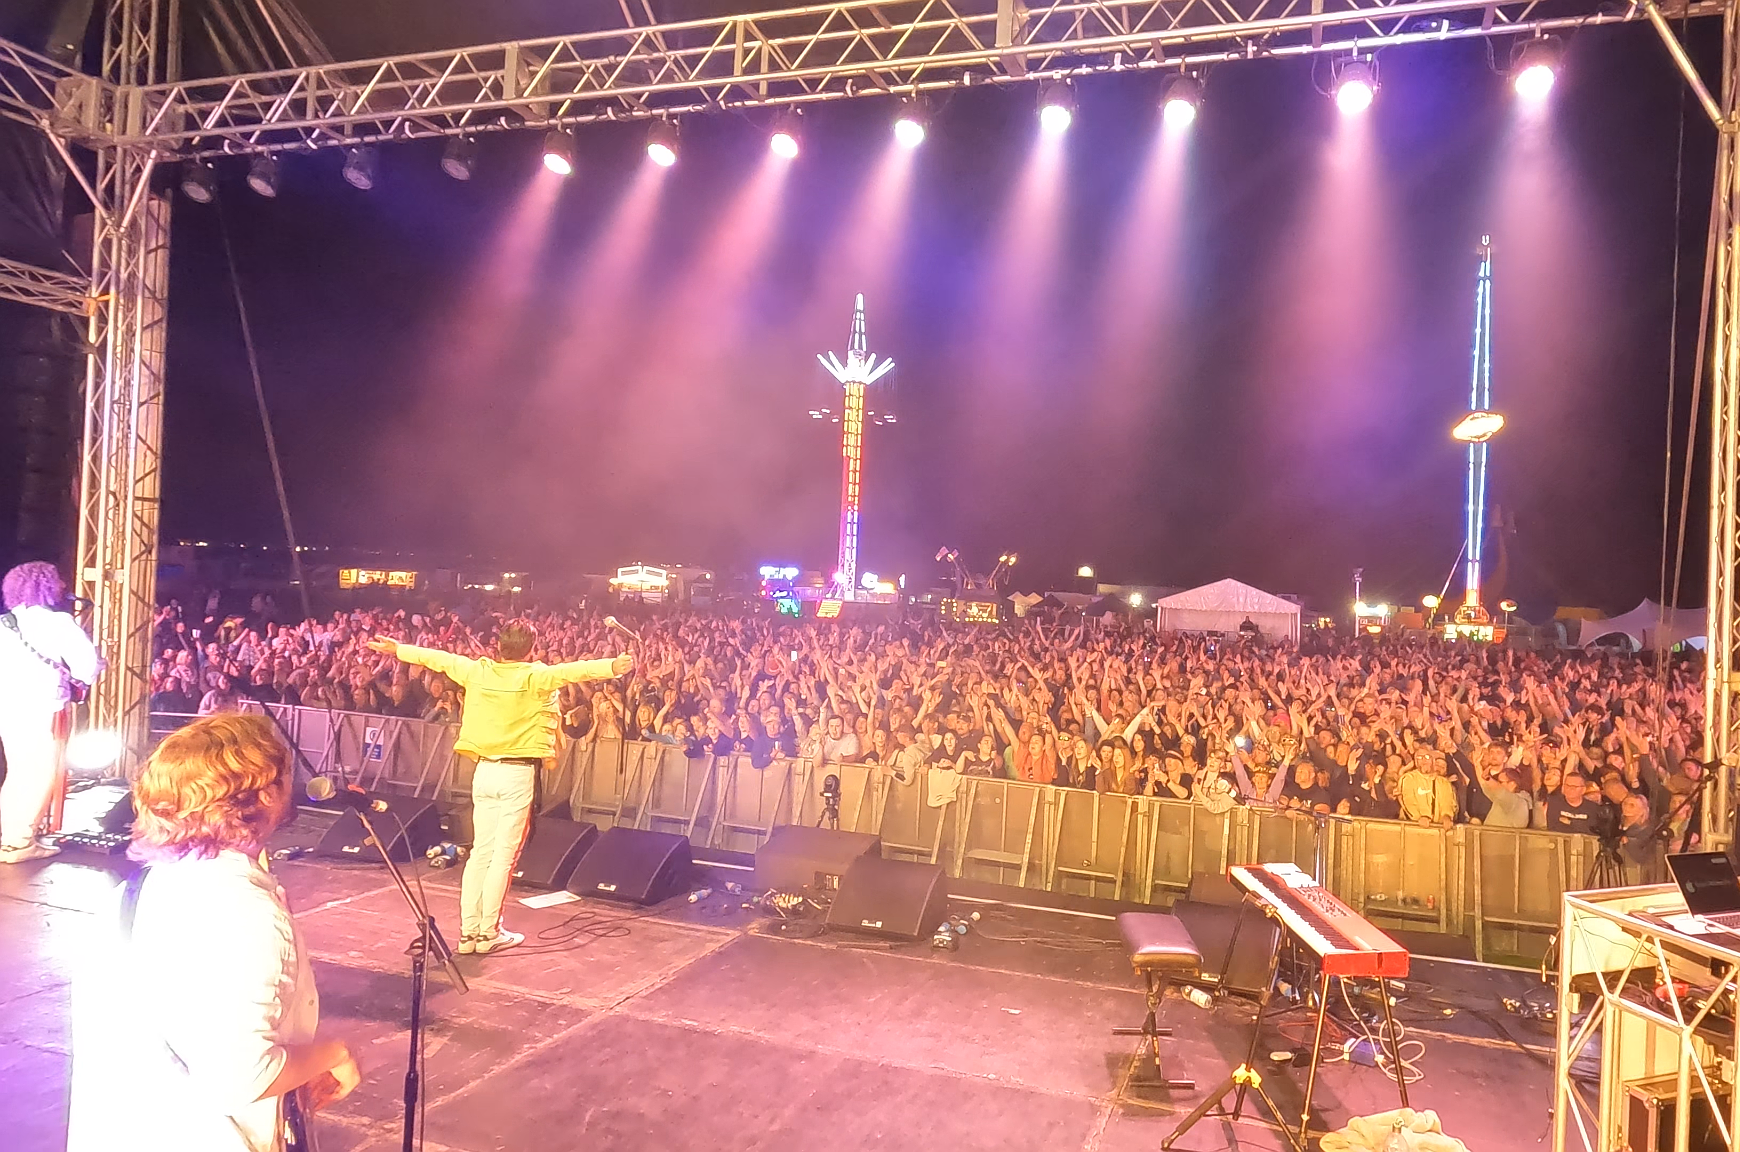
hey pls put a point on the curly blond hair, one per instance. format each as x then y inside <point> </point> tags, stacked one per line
<point>217,783</point>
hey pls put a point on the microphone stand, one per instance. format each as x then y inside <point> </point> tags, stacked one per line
<point>428,942</point>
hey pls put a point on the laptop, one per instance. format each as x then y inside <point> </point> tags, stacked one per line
<point>1711,889</point>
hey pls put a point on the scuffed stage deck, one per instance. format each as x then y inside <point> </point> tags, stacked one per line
<point>693,1027</point>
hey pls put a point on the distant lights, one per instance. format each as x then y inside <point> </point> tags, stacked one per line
<point>784,139</point>
<point>1356,84</point>
<point>559,151</point>
<point>1183,96</point>
<point>263,176</point>
<point>360,164</point>
<point>459,157</point>
<point>661,143</point>
<point>909,126</point>
<point>199,181</point>
<point>1536,67</point>
<point>1056,107</point>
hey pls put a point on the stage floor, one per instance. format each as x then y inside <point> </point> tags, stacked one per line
<point>698,1026</point>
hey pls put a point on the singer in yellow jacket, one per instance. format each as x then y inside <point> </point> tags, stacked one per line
<point>509,724</point>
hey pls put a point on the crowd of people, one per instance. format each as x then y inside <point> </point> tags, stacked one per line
<point>1573,741</point>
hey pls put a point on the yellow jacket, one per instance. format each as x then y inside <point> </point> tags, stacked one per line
<point>510,707</point>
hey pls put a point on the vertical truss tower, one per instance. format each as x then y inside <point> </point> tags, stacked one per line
<point>1479,400</point>
<point>856,375</point>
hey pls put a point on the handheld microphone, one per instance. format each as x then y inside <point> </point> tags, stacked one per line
<point>613,622</point>
<point>322,788</point>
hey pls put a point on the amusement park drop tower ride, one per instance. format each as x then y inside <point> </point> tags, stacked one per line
<point>860,371</point>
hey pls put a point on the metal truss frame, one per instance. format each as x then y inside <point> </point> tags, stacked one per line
<point>56,291</point>
<point>114,128</point>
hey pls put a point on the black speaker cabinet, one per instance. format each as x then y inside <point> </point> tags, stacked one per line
<point>552,851</point>
<point>1211,926</point>
<point>633,866</point>
<point>890,898</point>
<point>409,826</point>
<point>810,861</point>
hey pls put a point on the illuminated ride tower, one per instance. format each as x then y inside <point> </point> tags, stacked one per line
<point>1472,620</point>
<point>859,372</point>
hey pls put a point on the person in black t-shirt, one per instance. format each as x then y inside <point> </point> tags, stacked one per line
<point>1569,809</point>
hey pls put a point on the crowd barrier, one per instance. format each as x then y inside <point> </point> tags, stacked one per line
<point>1500,888</point>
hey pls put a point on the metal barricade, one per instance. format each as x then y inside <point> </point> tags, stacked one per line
<point>1500,888</point>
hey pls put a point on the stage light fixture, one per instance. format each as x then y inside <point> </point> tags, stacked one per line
<point>1056,107</point>
<point>199,181</point>
<point>1183,96</point>
<point>909,126</point>
<point>459,157</point>
<point>559,151</point>
<point>1536,67</point>
<point>784,140</point>
<point>359,167</point>
<point>263,176</point>
<point>661,143</point>
<point>1356,84</point>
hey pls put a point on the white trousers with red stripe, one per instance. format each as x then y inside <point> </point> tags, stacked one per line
<point>501,809</point>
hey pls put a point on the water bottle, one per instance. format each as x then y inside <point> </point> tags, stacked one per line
<point>1200,998</point>
<point>1396,1142</point>
<point>698,896</point>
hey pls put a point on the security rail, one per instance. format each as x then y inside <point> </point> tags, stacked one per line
<point>1500,888</point>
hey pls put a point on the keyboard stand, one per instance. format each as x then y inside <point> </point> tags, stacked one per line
<point>1245,1078</point>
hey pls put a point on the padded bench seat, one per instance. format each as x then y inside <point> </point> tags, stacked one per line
<point>1159,943</point>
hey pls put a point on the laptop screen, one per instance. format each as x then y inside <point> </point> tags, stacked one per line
<point>1707,880</point>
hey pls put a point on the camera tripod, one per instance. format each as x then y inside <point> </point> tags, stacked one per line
<point>1607,870</point>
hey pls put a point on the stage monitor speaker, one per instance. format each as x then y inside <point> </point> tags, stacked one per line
<point>634,866</point>
<point>810,861</point>
<point>552,851</point>
<point>1211,926</point>
<point>890,898</point>
<point>410,826</point>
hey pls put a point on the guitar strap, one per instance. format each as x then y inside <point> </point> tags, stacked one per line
<point>294,1120</point>
<point>10,622</point>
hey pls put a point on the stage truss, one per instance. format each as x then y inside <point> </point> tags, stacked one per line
<point>113,130</point>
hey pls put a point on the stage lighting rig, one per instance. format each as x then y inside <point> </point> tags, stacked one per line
<point>784,138</point>
<point>910,125</point>
<point>459,157</point>
<point>1056,107</point>
<point>263,175</point>
<point>559,151</point>
<point>199,181</point>
<point>1183,97</point>
<point>1356,84</point>
<point>1536,67</point>
<point>661,143</point>
<point>359,167</point>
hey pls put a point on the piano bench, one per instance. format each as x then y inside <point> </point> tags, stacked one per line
<point>1161,949</point>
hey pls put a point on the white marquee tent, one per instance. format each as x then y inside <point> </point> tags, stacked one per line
<point>1642,623</point>
<point>1224,605</point>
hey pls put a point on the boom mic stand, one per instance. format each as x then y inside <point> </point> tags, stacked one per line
<point>428,942</point>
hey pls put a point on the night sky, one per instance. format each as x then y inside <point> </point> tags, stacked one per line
<point>1254,378</point>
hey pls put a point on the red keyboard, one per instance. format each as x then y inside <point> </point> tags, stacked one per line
<point>1345,943</point>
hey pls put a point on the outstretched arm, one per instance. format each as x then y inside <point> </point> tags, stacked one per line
<point>553,676</point>
<point>455,668</point>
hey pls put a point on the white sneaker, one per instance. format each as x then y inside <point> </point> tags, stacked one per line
<point>502,939</point>
<point>467,945</point>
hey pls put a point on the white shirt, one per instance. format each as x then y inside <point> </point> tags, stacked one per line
<point>29,685</point>
<point>216,972</point>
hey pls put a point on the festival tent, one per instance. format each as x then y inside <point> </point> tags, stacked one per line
<point>1640,625</point>
<point>1224,605</point>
